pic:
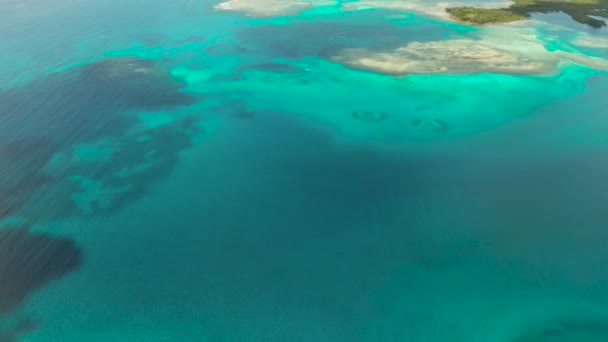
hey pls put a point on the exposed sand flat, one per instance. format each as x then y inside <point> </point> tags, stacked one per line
<point>591,42</point>
<point>592,62</point>
<point>519,40</point>
<point>270,8</point>
<point>459,56</point>
<point>500,50</point>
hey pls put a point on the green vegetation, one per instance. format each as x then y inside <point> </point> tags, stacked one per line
<point>483,15</point>
<point>582,11</point>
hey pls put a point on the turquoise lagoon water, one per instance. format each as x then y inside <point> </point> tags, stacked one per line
<point>237,190</point>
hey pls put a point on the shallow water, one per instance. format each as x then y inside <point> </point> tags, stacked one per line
<point>171,172</point>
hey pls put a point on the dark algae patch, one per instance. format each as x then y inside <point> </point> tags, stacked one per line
<point>582,11</point>
<point>81,106</point>
<point>575,330</point>
<point>28,261</point>
<point>433,125</point>
<point>369,116</point>
<point>10,332</point>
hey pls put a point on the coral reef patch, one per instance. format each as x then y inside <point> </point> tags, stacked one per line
<point>369,116</point>
<point>574,330</point>
<point>29,260</point>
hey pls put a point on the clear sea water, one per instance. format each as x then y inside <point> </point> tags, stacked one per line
<point>235,193</point>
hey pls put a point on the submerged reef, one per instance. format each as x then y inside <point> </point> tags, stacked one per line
<point>10,332</point>
<point>582,11</point>
<point>575,330</point>
<point>237,109</point>
<point>77,106</point>
<point>28,261</point>
<point>22,161</point>
<point>116,69</point>
<point>322,37</point>
<point>369,116</point>
<point>273,67</point>
<point>144,84</point>
<point>239,72</point>
<point>130,169</point>
<point>62,105</point>
<point>225,49</point>
<point>433,125</point>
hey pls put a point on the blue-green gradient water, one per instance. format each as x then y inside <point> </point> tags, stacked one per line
<point>171,172</point>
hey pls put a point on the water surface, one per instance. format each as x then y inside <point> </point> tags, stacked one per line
<point>172,172</point>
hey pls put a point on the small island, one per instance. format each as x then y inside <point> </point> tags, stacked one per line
<point>582,11</point>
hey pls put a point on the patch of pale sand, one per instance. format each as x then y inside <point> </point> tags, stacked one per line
<point>591,42</point>
<point>271,8</point>
<point>524,41</point>
<point>442,57</point>
<point>501,50</point>
<point>516,39</point>
<point>435,8</point>
<point>596,63</point>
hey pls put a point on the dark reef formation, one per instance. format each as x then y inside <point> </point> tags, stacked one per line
<point>573,330</point>
<point>28,261</point>
<point>236,109</point>
<point>136,82</point>
<point>84,103</point>
<point>268,67</point>
<point>369,116</point>
<point>434,125</point>
<point>51,115</point>
<point>145,158</point>
<point>10,332</point>
<point>582,11</point>
<point>22,162</point>
<point>117,69</point>
<point>225,49</point>
<point>364,29</point>
<point>194,39</point>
